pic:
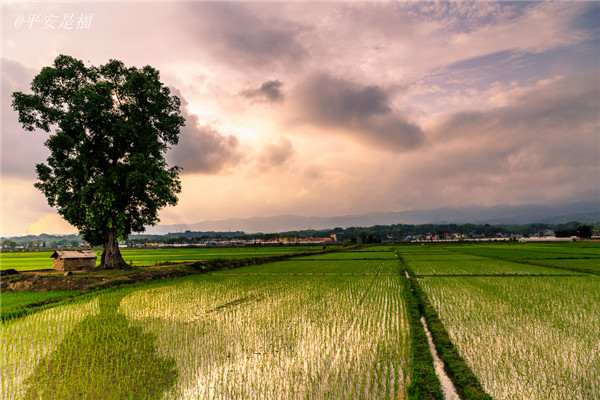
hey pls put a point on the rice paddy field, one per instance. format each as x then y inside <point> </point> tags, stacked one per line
<point>27,261</point>
<point>322,326</point>
<point>296,333</point>
<point>527,330</point>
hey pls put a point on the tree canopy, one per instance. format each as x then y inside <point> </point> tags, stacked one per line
<point>106,173</point>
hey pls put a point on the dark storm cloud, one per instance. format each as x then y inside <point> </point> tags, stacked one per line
<point>363,111</point>
<point>269,91</point>
<point>243,36</point>
<point>561,108</point>
<point>553,127</point>
<point>21,149</point>
<point>203,149</point>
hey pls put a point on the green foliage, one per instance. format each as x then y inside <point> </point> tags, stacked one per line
<point>11,244</point>
<point>111,128</point>
<point>584,231</point>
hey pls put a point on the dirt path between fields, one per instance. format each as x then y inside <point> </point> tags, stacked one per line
<point>447,385</point>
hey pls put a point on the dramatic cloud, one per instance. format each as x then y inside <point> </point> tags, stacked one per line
<point>337,108</point>
<point>562,108</point>
<point>203,149</point>
<point>269,91</point>
<point>244,37</point>
<point>546,138</point>
<point>365,112</point>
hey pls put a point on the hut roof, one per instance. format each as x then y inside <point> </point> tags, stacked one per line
<point>74,254</point>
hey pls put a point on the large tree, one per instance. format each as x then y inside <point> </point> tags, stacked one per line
<point>111,126</point>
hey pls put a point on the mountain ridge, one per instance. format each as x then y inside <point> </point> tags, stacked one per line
<point>584,212</point>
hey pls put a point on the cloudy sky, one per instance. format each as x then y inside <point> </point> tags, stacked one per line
<point>333,109</point>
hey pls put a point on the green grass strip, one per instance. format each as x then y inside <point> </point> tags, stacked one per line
<point>466,383</point>
<point>424,383</point>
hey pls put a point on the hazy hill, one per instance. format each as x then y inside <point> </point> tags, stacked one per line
<point>584,212</point>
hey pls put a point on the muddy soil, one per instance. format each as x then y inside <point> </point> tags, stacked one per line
<point>42,281</point>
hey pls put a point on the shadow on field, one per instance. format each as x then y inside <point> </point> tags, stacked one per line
<point>104,357</point>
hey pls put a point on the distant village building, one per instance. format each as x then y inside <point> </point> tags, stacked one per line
<point>315,240</point>
<point>74,260</point>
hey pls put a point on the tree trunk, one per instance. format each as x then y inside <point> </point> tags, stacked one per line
<point>111,256</point>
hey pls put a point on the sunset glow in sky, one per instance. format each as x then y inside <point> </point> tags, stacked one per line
<point>337,108</point>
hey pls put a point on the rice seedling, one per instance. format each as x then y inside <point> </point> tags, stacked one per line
<point>11,300</point>
<point>574,263</point>
<point>525,337</point>
<point>220,336</point>
<point>14,303</point>
<point>25,261</point>
<point>26,341</point>
<point>302,266</point>
<point>244,337</point>
<point>482,267</point>
<point>352,255</point>
<point>532,251</point>
<point>103,357</point>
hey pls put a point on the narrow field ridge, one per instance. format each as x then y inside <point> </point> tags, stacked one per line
<point>447,385</point>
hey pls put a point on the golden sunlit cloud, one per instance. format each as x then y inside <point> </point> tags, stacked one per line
<point>50,224</point>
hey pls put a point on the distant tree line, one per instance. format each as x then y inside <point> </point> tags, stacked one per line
<point>378,233</point>
<point>581,231</point>
<point>42,242</point>
<point>351,235</point>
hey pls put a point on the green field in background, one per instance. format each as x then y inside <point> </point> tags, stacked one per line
<point>26,261</point>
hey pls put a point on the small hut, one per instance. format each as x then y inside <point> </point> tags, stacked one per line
<point>74,260</point>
